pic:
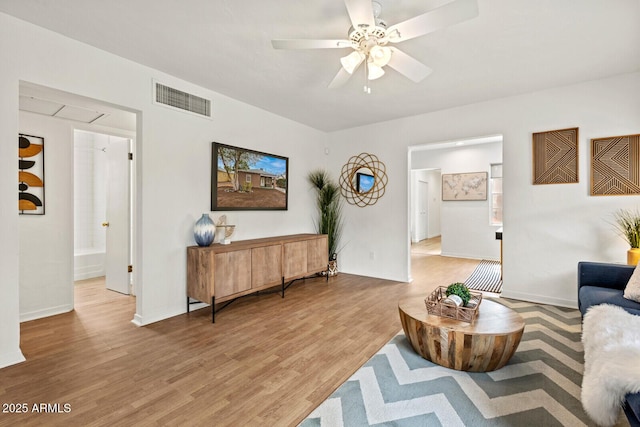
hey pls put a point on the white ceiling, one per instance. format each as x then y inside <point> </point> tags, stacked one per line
<point>512,47</point>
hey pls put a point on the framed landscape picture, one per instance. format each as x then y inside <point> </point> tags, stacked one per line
<point>244,179</point>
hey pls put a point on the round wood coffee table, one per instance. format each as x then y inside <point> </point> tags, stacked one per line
<point>485,345</point>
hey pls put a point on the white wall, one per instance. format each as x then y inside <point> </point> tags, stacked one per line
<point>89,203</point>
<point>547,229</point>
<point>90,191</point>
<point>465,225</point>
<point>46,275</point>
<point>173,156</point>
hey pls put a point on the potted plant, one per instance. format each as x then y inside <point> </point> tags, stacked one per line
<point>461,290</point>
<point>329,221</point>
<point>627,222</point>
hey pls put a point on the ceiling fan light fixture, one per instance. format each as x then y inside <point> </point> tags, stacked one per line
<point>380,55</point>
<point>374,71</point>
<point>351,61</point>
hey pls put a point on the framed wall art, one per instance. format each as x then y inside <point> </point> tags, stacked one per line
<point>615,165</point>
<point>555,157</point>
<point>464,186</point>
<point>243,179</point>
<point>30,175</point>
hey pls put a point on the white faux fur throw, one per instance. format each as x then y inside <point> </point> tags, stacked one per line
<point>611,339</point>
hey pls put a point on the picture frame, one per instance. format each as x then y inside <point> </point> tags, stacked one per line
<point>30,175</point>
<point>246,179</point>
<point>555,157</point>
<point>615,166</point>
<point>464,186</point>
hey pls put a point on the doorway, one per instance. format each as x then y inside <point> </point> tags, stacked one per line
<point>102,209</point>
<point>464,227</point>
<point>56,115</point>
<point>425,204</point>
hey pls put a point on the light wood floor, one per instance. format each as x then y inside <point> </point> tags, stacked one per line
<point>267,361</point>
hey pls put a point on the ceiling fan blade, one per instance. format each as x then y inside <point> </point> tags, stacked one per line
<point>360,12</point>
<point>309,44</point>
<point>340,79</point>
<point>407,66</point>
<point>449,14</point>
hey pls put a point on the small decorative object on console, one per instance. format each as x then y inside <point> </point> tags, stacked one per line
<point>204,231</point>
<point>224,230</point>
<point>438,306</point>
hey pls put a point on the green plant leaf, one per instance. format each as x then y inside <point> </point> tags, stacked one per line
<point>459,289</point>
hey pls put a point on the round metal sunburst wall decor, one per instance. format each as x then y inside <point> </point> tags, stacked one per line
<point>363,180</point>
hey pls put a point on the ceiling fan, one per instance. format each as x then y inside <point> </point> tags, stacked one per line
<point>371,39</point>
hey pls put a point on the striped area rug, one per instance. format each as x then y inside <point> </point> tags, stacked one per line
<point>486,277</point>
<point>539,386</point>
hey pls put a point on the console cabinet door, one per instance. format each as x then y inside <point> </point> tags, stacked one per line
<point>232,273</point>
<point>199,277</point>
<point>317,255</point>
<point>294,262</point>
<point>266,266</point>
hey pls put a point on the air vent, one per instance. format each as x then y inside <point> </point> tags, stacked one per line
<point>182,100</point>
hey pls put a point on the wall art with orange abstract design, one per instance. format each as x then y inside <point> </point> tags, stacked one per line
<point>30,175</point>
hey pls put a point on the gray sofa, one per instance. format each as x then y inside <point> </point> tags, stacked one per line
<point>602,283</point>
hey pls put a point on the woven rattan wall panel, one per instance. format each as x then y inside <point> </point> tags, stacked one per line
<point>555,157</point>
<point>615,165</point>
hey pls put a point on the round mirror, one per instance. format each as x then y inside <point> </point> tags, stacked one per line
<point>363,180</point>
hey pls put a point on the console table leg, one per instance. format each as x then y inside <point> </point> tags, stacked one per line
<point>188,305</point>
<point>213,309</point>
<point>283,287</point>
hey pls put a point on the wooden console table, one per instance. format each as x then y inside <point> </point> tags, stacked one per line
<point>220,273</point>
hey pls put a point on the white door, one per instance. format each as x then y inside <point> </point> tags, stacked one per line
<point>117,221</point>
<point>422,222</point>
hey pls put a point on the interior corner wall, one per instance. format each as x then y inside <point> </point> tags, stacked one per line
<point>172,162</point>
<point>46,241</point>
<point>465,225</point>
<point>547,229</point>
<point>10,352</point>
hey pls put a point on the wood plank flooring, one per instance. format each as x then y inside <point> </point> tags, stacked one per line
<point>267,361</point>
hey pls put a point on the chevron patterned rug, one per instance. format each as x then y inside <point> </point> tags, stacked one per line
<point>540,386</point>
<point>485,277</point>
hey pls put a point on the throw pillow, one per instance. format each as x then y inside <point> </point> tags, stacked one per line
<point>632,290</point>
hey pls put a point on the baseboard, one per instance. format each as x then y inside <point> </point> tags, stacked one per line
<point>11,358</point>
<point>39,314</point>
<point>88,272</point>
<point>391,278</point>
<point>540,299</point>
<point>139,320</point>
<point>465,256</point>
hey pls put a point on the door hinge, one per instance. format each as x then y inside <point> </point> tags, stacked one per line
<point>130,156</point>
<point>130,269</point>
